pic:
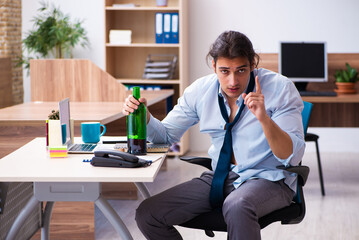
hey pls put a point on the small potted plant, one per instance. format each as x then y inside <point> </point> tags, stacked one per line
<point>54,115</point>
<point>54,35</point>
<point>345,80</point>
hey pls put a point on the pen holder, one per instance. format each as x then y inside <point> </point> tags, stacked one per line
<point>54,133</point>
<point>56,137</point>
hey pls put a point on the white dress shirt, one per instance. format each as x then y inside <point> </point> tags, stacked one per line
<point>251,150</point>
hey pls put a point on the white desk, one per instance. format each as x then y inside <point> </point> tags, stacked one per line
<point>68,179</point>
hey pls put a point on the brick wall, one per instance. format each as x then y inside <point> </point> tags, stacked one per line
<point>10,42</point>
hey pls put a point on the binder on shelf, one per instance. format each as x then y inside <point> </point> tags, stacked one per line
<point>174,28</point>
<point>159,27</point>
<point>167,28</point>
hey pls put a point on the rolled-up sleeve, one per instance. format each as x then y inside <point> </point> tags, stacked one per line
<point>177,122</point>
<point>289,118</point>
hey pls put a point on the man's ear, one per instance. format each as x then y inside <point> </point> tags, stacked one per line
<point>252,67</point>
<point>214,65</point>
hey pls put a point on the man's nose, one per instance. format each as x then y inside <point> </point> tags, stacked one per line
<point>233,79</point>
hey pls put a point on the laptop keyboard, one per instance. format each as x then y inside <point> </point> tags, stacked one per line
<point>85,147</point>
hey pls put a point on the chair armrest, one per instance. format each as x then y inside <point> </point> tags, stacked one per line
<point>203,161</point>
<point>311,137</point>
<point>302,171</point>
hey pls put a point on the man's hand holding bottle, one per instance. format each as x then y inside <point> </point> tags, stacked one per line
<point>131,104</point>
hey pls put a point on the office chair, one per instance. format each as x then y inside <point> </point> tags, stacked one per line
<point>292,214</point>
<point>214,220</point>
<point>311,137</point>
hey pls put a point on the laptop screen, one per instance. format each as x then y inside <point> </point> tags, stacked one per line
<point>64,109</point>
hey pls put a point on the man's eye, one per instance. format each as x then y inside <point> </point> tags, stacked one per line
<point>224,71</point>
<point>242,70</point>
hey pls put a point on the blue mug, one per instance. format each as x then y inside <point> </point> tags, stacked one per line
<point>91,132</point>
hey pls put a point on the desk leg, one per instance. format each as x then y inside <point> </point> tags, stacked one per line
<point>45,229</point>
<point>20,219</point>
<point>143,189</point>
<point>113,217</point>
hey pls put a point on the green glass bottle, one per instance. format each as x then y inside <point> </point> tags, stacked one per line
<point>137,128</point>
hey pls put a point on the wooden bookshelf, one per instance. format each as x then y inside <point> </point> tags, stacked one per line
<point>126,62</point>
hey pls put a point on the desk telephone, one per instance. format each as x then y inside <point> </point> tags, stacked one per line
<point>114,158</point>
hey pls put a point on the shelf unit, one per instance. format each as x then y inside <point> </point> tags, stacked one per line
<point>126,62</point>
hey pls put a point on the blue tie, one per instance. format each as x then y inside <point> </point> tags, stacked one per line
<point>216,196</point>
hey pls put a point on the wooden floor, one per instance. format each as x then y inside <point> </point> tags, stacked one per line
<point>335,216</point>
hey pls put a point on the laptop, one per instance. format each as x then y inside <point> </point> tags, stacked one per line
<point>64,109</point>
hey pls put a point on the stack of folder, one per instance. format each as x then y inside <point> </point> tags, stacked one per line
<point>160,66</point>
<point>167,25</point>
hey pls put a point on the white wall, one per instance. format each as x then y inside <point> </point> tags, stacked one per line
<point>265,22</point>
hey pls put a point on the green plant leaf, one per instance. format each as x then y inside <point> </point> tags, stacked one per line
<point>348,75</point>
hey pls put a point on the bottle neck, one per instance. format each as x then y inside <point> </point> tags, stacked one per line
<point>136,92</point>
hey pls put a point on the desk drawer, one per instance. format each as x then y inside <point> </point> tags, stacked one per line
<point>68,191</point>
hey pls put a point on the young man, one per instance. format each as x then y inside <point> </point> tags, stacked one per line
<point>254,119</point>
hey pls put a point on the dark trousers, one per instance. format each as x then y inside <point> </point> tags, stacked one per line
<point>242,207</point>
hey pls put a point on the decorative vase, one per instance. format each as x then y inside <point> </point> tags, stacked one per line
<point>161,3</point>
<point>345,88</point>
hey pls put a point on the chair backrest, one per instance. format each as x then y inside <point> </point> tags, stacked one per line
<point>307,110</point>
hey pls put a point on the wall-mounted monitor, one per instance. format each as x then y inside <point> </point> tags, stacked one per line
<point>303,61</point>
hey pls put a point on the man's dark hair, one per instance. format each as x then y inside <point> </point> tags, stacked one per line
<point>232,44</point>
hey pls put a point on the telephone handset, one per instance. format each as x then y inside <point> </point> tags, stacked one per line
<point>114,158</point>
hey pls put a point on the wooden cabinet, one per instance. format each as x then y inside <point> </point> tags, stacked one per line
<point>126,62</point>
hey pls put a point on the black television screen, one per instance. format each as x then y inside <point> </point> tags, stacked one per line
<point>303,61</point>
